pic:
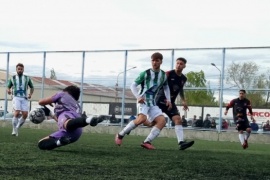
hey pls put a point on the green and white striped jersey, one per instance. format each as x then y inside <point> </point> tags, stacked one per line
<point>151,82</point>
<point>20,85</point>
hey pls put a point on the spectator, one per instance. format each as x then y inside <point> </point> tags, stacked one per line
<point>184,121</point>
<point>199,122</point>
<point>207,122</point>
<point>213,124</point>
<point>194,121</point>
<point>254,126</point>
<point>266,127</point>
<point>113,119</point>
<point>224,124</point>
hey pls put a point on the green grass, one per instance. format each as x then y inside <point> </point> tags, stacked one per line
<point>95,156</point>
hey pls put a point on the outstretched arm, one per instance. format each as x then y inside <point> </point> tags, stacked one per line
<point>46,101</point>
<point>231,104</point>
<point>168,96</point>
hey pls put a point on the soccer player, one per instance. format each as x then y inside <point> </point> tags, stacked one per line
<point>151,81</point>
<point>20,84</point>
<point>68,116</point>
<point>176,82</point>
<point>240,106</point>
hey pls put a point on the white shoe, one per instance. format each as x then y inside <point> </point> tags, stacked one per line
<point>14,132</point>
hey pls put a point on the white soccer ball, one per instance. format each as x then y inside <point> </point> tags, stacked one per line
<point>37,116</point>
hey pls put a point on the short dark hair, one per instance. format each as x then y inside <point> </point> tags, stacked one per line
<point>181,59</point>
<point>157,55</point>
<point>74,91</point>
<point>20,64</point>
<point>242,90</point>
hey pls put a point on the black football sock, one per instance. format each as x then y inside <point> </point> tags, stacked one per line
<point>76,123</point>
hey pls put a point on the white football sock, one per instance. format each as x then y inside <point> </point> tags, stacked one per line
<point>21,122</point>
<point>241,138</point>
<point>89,119</point>
<point>130,126</point>
<point>153,134</point>
<point>14,122</point>
<point>179,133</point>
<point>247,135</point>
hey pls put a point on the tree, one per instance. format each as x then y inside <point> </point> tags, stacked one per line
<point>199,93</point>
<point>246,76</point>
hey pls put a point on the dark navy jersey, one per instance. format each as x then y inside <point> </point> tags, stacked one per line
<point>176,84</point>
<point>240,107</point>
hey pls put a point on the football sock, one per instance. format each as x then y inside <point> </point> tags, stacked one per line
<point>130,126</point>
<point>21,122</point>
<point>247,135</point>
<point>179,133</point>
<point>14,122</point>
<point>76,123</point>
<point>241,138</point>
<point>153,134</point>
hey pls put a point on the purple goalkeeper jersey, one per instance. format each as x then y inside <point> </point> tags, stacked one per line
<point>65,103</point>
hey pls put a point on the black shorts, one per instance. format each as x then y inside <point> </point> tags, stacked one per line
<point>242,125</point>
<point>170,113</point>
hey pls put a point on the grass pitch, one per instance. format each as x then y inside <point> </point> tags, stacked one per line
<point>95,156</point>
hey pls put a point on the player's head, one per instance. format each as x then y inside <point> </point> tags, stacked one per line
<point>156,60</point>
<point>19,68</point>
<point>74,91</point>
<point>180,64</point>
<point>242,93</point>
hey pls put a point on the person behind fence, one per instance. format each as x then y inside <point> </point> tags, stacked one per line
<point>194,120</point>
<point>224,124</point>
<point>20,101</point>
<point>266,127</point>
<point>150,81</point>
<point>69,118</point>
<point>254,126</point>
<point>207,122</point>
<point>240,106</point>
<point>199,122</point>
<point>213,124</point>
<point>184,121</point>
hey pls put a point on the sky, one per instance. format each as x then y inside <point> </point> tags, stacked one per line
<point>30,25</point>
<point>68,25</point>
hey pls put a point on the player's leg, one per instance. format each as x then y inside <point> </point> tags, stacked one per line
<point>176,118</point>
<point>155,114</point>
<point>59,138</point>
<point>24,110</point>
<point>241,127</point>
<point>248,132</point>
<point>63,136</point>
<point>17,109</point>
<point>141,118</point>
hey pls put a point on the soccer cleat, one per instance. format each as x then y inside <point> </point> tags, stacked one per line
<point>118,139</point>
<point>94,120</point>
<point>245,145</point>
<point>184,145</point>
<point>147,145</point>
<point>64,140</point>
<point>14,132</point>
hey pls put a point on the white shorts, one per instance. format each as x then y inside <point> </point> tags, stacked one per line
<point>152,112</point>
<point>20,104</point>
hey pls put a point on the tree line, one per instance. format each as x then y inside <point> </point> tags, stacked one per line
<point>245,75</point>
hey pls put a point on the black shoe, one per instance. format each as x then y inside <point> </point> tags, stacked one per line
<point>95,120</point>
<point>184,145</point>
<point>64,140</point>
